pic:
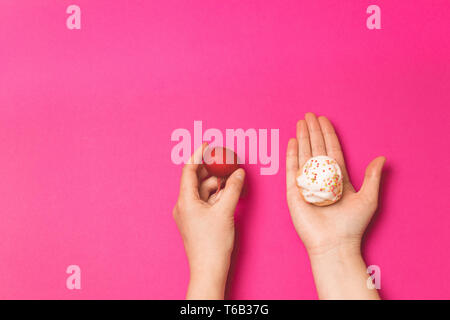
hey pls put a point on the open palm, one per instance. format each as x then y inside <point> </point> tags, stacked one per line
<point>340,224</point>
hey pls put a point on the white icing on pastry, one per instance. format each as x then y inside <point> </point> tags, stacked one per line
<point>320,180</point>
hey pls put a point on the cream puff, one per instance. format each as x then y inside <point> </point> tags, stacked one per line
<point>320,181</point>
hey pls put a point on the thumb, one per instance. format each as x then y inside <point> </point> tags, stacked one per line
<point>371,184</point>
<point>232,190</point>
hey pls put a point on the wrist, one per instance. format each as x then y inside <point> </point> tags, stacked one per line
<point>213,270</point>
<point>212,275</point>
<point>207,281</point>
<point>340,272</point>
<point>343,249</point>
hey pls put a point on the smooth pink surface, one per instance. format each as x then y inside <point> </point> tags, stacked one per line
<point>86,118</point>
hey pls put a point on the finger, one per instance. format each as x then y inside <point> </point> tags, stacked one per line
<point>232,190</point>
<point>215,197</point>
<point>315,134</point>
<point>304,145</point>
<point>202,173</point>
<point>207,187</point>
<point>293,192</point>
<point>372,178</point>
<point>189,178</point>
<point>333,147</point>
<point>291,163</point>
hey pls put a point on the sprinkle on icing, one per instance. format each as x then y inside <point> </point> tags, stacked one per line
<point>321,179</point>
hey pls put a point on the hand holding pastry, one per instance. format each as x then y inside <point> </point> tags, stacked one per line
<point>332,233</point>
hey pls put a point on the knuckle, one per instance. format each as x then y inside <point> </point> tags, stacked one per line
<point>335,149</point>
<point>315,129</point>
<point>291,153</point>
<point>318,149</point>
<point>329,134</point>
<point>234,185</point>
<point>304,139</point>
<point>304,154</point>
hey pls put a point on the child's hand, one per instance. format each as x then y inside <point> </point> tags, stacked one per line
<point>333,232</point>
<point>206,223</point>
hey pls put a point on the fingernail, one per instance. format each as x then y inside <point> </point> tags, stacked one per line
<point>240,175</point>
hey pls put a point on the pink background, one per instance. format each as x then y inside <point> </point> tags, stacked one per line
<point>86,117</point>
